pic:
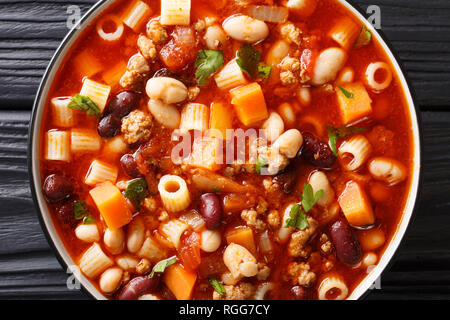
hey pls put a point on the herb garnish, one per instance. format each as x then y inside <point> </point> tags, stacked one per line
<point>297,215</point>
<point>249,62</point>
<point>261,162</point>
<point>81,212</point>
<point>216,189</point>
<point>208,61</point>
<point>338,133</point>
<point>364,37</point>
<point>347,94</point>
<point>161,266</point>
<point>217,285</point>
<point>80,102</point>
<point>136,191</point>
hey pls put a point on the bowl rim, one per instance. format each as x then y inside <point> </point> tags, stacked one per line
<point>46,222</point>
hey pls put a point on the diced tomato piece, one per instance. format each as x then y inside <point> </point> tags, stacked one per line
<point>189,251</point>
<point>308,60</point>
<point>181,50</point>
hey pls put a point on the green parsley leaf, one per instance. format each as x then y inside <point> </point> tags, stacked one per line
<point>136,191</point>
<point>338,133</point>
<point>261,162</point>
<point>88,220</point>
<point>208,61</point>
<point>217,285</point>
<point>81,212</point>
<point>249,62</point>
<point>161,266</point>
<point>85,103</point>
<point>346,93</point>
<point>297,218</point>
<point>216,189</point>
<point>364,37</point>
<point>264,71</point>
<point>309,199</point>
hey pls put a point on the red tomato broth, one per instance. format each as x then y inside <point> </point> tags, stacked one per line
<point>68,82</point>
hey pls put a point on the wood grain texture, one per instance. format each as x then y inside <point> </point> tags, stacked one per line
<point>30,32</point>
<point>29,269</point>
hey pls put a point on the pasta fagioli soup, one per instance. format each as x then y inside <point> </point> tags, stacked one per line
<point>236,149</point>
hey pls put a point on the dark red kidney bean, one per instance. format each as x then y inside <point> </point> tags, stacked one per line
<point>298,293</point>
<point>287,180</point>
<point>129,165</point>
<point>57,188</point>
<point>137,287</point>
<point>65,212</point>
<point>317,152</point>
<point>123,103</point>
<point>109,126</point>
<point>348,249</point>
<point>211,210</point>
<point>164,72</point>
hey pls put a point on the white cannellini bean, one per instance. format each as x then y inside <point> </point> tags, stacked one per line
<point>210,240</point>
<point>240,261</point>
<point>114,240</point>
<point>148,297</point>
<point>110,279</point>
<point>284,233</point>
<point>277,52</point>
<point>273,126</point>
<point>359,148</point>
<point>388,170</point>
<point>166,114</point>
<point>328,64</point>
<point>127,262</point>
<point>136,235</point>
<point>215,37</point>
<point>346,75</point>
<point>246,29</point>
<point>166,89</point>
<point>289,143</point>
<point>87,233</point>
<point>287,112</point>
<point>369,259</point>
<point>304,96</point>
<point>372,69</point>
<point>319,181</point>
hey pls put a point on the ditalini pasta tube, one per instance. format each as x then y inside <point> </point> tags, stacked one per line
<point>174,193</point>
<point>101,172</point>
<point>98,92</point>
<point>62,115</point>
<point>175,12</point>
<point>57,146</point>
<point>85,140</point>
<point>94,261</point>
<point>136,15</point>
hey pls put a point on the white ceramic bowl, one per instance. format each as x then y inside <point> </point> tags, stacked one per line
<point>36,183</point>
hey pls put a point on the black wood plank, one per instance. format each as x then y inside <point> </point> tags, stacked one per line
<point>30,31</point>
<point>28,268</point>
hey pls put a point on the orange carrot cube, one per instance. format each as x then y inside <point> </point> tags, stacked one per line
<point>221,119</point>
<point>242,236</point>
<point>356,206</point>
<point>249,103</point>
<point>354,102</point>
<point>112,205</point>
<point>180,281</point>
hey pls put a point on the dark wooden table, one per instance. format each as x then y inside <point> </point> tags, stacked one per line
<point>30,31</point>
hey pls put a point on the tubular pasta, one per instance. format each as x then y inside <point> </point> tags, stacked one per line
<point>174,193</point>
